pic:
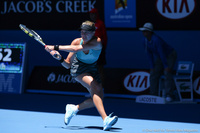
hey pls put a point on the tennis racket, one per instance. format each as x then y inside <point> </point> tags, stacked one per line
<point>32,34</point>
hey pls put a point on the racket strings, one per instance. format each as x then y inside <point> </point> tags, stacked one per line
<point>32,33</point>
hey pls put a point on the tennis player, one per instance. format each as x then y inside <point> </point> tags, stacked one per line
<point>81,60</point>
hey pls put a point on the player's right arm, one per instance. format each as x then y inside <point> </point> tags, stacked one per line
<point>64,62</point>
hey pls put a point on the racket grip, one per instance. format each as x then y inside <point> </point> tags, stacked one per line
<point>56,55</point>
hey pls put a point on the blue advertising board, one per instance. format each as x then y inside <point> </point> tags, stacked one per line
<point>120,13</point>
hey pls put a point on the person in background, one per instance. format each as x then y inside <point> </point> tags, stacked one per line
<point>101,33</point>
<point>81,60</point>
<point>162,58</point>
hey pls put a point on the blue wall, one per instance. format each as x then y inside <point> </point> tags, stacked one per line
<point>124,48</point>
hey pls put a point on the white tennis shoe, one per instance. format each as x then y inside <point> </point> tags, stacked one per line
<point>71,110</point>
<point>109,122</point>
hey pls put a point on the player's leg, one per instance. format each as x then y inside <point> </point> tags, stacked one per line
<point>86,104</point>
<point>96,92</point>
<point>72,110</point>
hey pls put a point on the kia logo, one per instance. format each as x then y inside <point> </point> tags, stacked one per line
<point>137,81</point>
<point>175,9</point>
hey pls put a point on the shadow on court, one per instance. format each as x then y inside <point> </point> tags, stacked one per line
<point>113,129</point>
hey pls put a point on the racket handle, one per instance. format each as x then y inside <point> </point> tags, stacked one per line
<point>61,60</point>
<point>56,55</point>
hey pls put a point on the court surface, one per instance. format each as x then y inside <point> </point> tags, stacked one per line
<point>16,121</point>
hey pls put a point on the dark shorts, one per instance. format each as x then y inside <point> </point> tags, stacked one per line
<point>79,67</point>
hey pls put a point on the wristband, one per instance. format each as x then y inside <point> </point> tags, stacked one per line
<point>62,60</point>
<point>56,47</point>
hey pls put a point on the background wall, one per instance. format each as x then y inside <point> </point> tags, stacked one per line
<point>124,50</point>
<point>177,22</point>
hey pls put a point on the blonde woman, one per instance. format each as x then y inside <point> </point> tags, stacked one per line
<point>81,60</point>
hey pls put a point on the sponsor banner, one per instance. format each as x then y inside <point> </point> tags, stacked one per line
<point>117,82</point>
<point>137,81</point>
<point>53,79</point>
<point>150,99</point>
<point>126,81</point>
<point>175,9</point>
<point>169,14</point>
<point>120,13</point>
<point>69,14</point>
<point>59,79</point>
<point>46,14</point>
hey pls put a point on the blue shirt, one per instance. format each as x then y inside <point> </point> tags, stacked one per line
<point>90,57</point>
<point>157,48</point>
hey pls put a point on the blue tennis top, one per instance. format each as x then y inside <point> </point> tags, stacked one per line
<point>89,58</point>
<point>157,48</point>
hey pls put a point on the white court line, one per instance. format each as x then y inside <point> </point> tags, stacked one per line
<point>15,121</point>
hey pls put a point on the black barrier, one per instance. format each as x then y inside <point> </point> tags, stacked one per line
<point>53,80</point>
<point>124,83</point>
<point>118,82</point>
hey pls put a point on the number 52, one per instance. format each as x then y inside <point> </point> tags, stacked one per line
<point>7,57</point>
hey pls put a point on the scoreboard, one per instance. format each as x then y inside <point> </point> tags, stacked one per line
<point>12,58</point>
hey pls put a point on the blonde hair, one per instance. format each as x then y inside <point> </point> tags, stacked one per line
<point>88,25</point>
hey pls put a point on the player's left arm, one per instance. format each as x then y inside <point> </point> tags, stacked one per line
<point>93,44</point>
<point>68,61</point>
